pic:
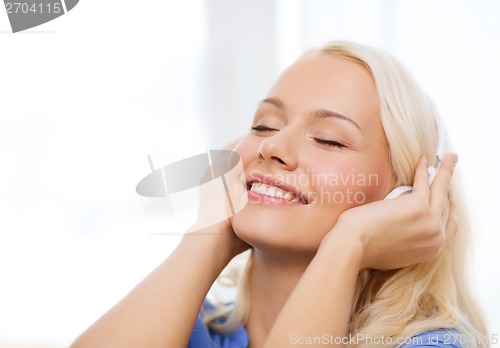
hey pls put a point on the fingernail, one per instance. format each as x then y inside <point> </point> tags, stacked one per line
<point>455,158</point>
<point>423,160</point>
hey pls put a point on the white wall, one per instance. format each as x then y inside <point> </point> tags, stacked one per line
<point>85,98</point>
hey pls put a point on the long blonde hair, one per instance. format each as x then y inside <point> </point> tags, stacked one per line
<point>427,296</point>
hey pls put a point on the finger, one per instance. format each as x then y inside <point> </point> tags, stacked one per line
<point>452,223</point>
<point>445,215</point>
<point>421,180</point>
<point>440,186</point>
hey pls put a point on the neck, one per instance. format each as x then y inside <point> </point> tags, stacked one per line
<point>272,279</point>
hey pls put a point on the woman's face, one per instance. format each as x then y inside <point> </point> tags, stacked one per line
<point>316,149</point>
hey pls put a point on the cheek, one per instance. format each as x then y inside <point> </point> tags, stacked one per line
<point>346,185</point>
<point>247,149</point>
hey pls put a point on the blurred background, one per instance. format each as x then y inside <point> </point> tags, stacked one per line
<point>85,98</point>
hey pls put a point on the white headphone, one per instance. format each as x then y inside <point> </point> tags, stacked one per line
<point>431,171</point>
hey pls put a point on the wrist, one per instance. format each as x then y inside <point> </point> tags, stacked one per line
<point>342,242</point>
<point>209,247</point>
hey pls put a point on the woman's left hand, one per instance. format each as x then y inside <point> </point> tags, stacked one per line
<point>405,230</point>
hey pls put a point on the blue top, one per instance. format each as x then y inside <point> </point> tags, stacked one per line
<point>204,337</point>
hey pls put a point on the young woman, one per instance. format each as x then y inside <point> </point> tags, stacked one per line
<point>332,263</point>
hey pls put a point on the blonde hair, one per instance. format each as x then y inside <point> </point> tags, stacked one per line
<point>423,297</point>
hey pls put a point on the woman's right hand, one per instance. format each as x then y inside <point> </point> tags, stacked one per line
<point>227,241</point>
<point>222,236</point>
<point>406,230</point>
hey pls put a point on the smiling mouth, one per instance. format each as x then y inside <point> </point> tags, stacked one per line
<point>275,191</point>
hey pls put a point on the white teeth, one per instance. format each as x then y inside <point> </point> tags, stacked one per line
<point>273,191</point>
<point>258,187</point>
<point>261,188</point>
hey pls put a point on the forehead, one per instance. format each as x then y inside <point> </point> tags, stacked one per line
<point>322,80</point>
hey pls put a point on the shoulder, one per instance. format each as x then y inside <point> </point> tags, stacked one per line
<point>445,338</point>
<point>203,337</point>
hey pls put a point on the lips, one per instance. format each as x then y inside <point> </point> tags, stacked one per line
<point>272,187</point>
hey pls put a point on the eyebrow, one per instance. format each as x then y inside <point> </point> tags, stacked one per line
<point>321,113</point>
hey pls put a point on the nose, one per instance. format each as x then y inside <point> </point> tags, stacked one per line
<point>277,150</point>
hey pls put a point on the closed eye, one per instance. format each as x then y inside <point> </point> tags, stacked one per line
<point>263,129</point>
<point>331,143</point>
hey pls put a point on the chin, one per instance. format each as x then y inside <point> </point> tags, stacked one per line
<point>268,229</point>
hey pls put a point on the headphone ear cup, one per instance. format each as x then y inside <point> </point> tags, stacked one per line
<point>398,191</point>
